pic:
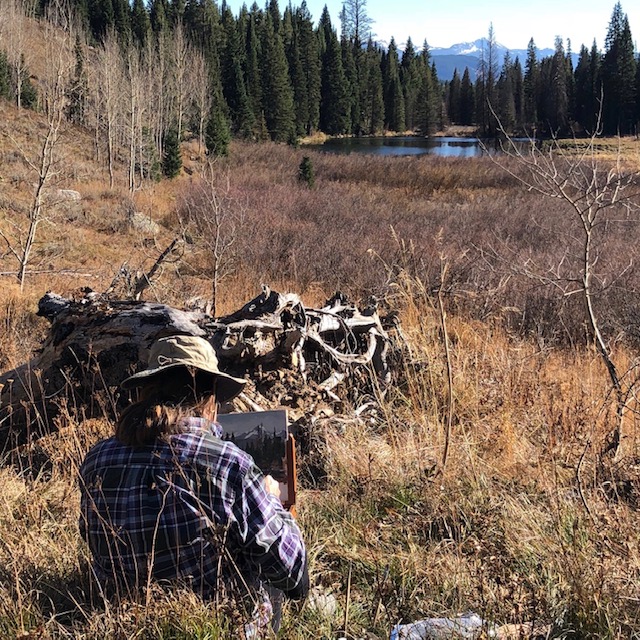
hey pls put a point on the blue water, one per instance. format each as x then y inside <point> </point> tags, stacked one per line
<point>450,147</point>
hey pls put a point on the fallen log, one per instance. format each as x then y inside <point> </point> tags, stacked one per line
<point>290,354</point>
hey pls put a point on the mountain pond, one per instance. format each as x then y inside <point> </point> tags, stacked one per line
<point>444,146</point>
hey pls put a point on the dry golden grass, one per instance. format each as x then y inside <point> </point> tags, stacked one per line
<point>508,528</point>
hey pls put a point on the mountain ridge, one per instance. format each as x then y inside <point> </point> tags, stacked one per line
<point>467,55</point>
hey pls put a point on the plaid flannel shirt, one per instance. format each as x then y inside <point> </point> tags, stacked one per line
<point>191,508</point>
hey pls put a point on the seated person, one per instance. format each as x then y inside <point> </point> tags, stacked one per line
<point>166,499</point>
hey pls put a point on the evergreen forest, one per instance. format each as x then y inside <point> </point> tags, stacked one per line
<point>147,73</point>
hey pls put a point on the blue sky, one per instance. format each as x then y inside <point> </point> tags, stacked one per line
<point>447,22</point>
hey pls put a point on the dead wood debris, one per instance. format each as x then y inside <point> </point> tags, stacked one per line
<point>316,362</point>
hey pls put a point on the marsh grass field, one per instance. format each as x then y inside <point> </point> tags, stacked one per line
<point>524,524</point>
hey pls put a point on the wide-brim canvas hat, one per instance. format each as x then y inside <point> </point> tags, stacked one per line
<point>186,351</point>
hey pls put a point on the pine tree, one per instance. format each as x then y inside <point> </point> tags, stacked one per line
<point>518,92</point>
<point>506,106</point>
<point>324,31</point>
<point>571,84</point>
<point>352,84</point>
<point>311,65</point>
<point>158,10</point>
<point>218,134</point>
<point>81,14</point>
<point>5,76</point>
<point>618,76</point>
<point>531,86</point>
<point>298,78</point>
<point>176,11</point>
<point>171,159</point>
<point>252,73</point>
<point>28,92</point>
<point>393,94</point>
<point>305,172</point>
<point>585,105</point>
<point>373,101</point>
<point>278,93</point>
<point>122,20</point>
<point>101,17</point>
<point>554,105</point>
<point>429,100</point>
<point>233,83</point>
<point>276,19</point>
<point>454,97</point>
<point>335,105</point>
<point>140,23</point>
<point>467,99</point>
<point>410,80</point>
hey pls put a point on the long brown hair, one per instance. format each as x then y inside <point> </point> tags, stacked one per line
<point>164,400</point>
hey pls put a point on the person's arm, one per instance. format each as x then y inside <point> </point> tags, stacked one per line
<point>270,537</point>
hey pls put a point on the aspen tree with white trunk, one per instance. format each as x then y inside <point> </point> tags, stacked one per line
<point>20,239</point>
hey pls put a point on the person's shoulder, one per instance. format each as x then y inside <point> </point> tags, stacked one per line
<point>103,446</point>
<point>103,450</point>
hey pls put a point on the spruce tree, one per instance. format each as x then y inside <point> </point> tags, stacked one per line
<point>467,99</point>
<point>352,86</point>
<point>373,102</point>
<point>506,106</point>
<point>140,23</point>
<point>158,10</point>
<point>517,79</point>
<point>101,17</point>
<point>305,172</point>
<point>410,80</point>
<point>277,90</point>
<point>428,95</point>
<point>171,158</point>
<point>454,97</point>
<point>335,109</point>
<point>298,78</point>
<point>218,134</point>
<point>531,86</point>
<point>618,76</point>
<point>28,92</point>
<point>5,76</point>
<point>253,73</point>
<point>393,94</point>
<point>311,65</point>
<point>585,111</point>
<point>233,83</point>
<point>553,108</point>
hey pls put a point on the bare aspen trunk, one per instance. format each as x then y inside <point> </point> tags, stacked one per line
<point>181,56</point>
<point>54,85</point>
<point>111,86</point>
<point>200,92</point>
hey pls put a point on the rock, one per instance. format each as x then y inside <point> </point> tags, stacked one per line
<point>69,195</point>
<point>322,601</point>
<point>143,223</point>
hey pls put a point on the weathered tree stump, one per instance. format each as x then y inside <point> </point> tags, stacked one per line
<point>290,354</point>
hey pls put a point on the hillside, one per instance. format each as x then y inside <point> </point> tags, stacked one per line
<point>479,483</point>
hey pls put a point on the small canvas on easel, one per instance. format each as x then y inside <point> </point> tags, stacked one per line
<point>265,436</point>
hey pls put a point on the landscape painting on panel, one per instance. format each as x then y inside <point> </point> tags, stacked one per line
<point>265,436</point>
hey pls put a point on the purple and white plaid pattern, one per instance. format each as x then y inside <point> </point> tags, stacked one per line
<point>191,508</point>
